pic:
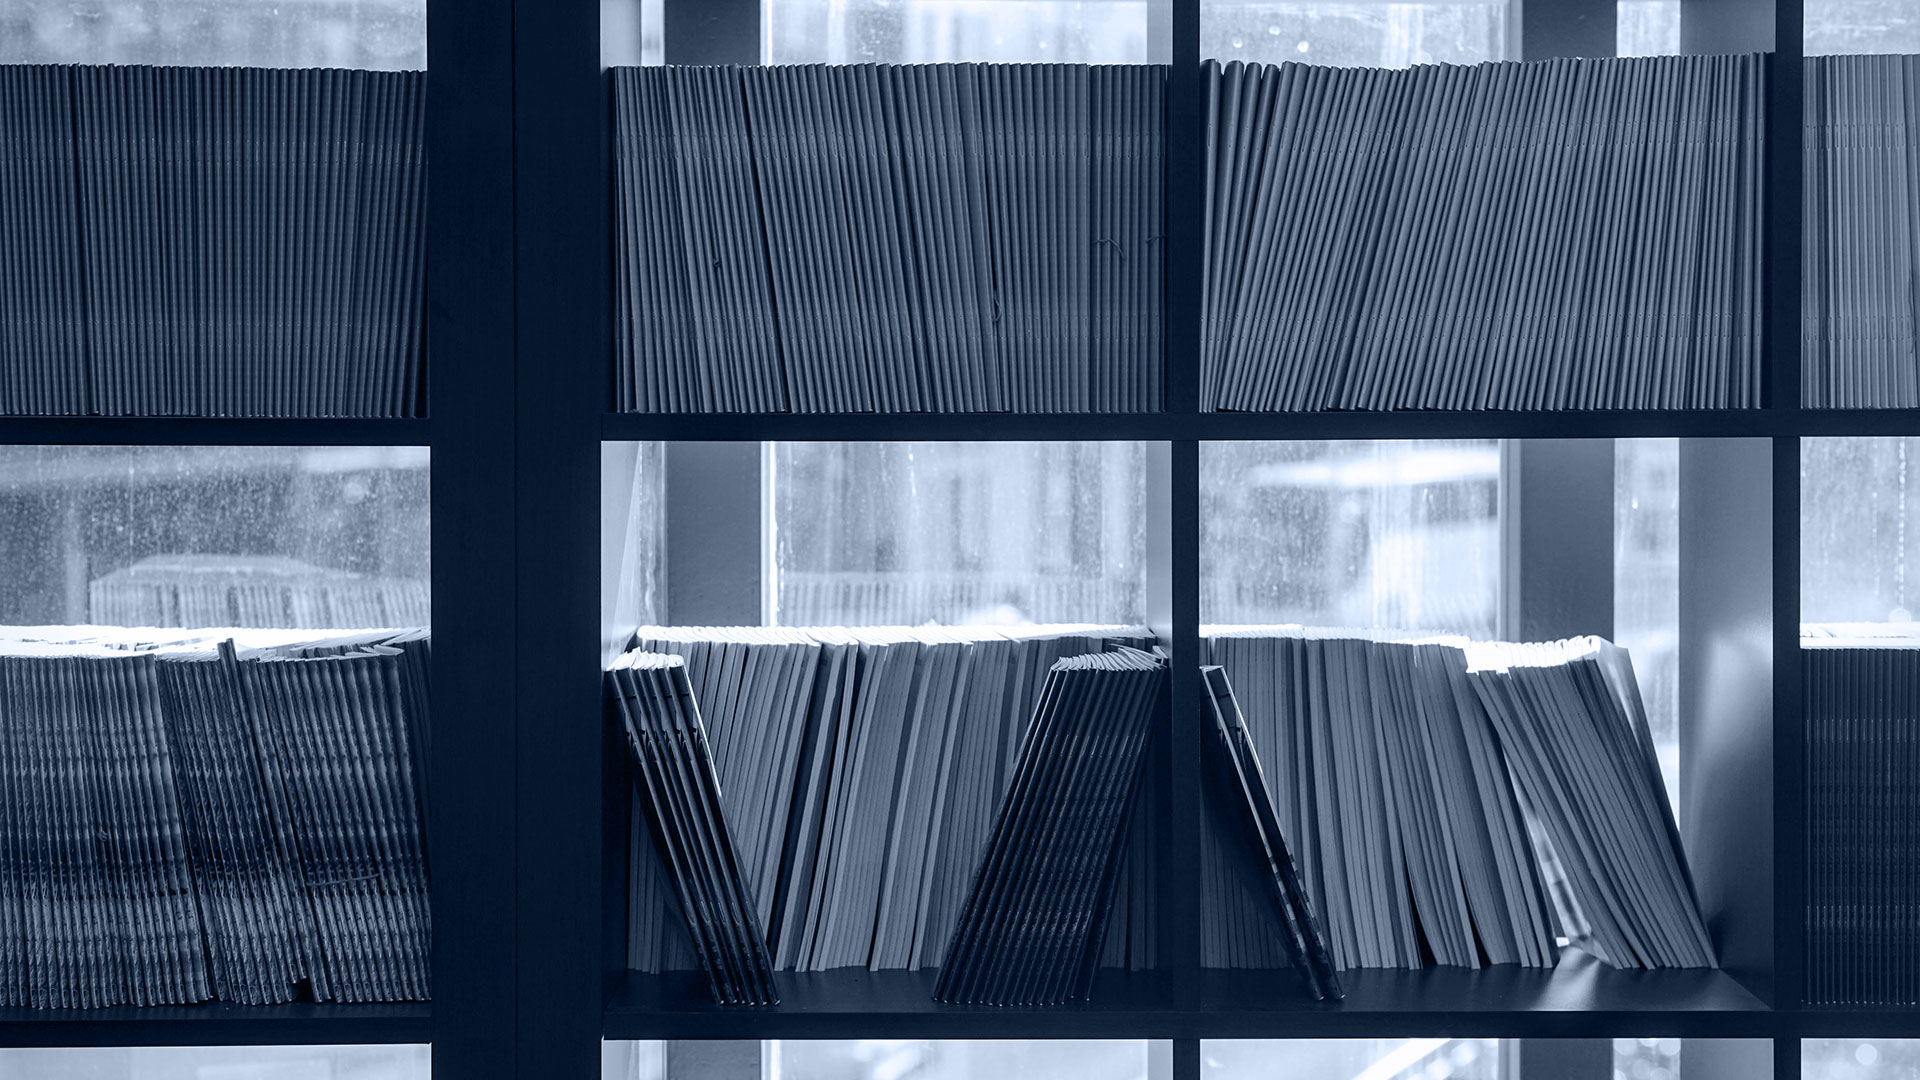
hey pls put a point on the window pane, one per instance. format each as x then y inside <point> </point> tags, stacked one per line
<point>1646,589</point>
<point>941,31</point>
<point>1854,27</point>
<point>1646,1059</point>
<point>375,35</point>
<point>1648,28</point>
<point>307,537</point>
<point>1856,545</point>
<point>1860,1059</point>
<point>958,533</point>
<point>877,1059</point>
<point>221,1063</point>
<point>1401,535</point>
<point>1362,33</point>
<point>1342,1059</point>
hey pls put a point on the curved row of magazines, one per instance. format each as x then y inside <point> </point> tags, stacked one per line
<point>228,815</point>
<point>1430,800</point>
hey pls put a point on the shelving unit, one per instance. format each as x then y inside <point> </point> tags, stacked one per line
<point>529,829</point>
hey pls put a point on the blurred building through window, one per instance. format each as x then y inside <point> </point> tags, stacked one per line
<point>215,535</point>
<point>957,533</point>
<point>1648,28</point>
<point>372,35</point>
<point>1859,547</point>
<point>1856,27</point>
<point>398,1062</point>
<point>1403,535</point>
<point>1351,1059</point>
<point>1358,33</point>
<point>1646,585</point>
<point>1860,1059</point>
<point>946,31</point>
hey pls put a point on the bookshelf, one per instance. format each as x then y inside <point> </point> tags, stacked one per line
<point>528,833</point>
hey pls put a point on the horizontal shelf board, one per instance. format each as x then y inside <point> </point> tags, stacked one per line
<point>218,1024</point>
<point>1863,1022</point>
<point>876,427</point>
<point>870,427</point>
<point>212,431</point>
<point>1580,998</point>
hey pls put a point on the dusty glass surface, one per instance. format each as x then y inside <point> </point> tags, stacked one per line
<point>940,31</point>
<point>375,35</point>
<point>1860,1059</point>
<point>1363,33</point>
<point>1859,550</point>
<point>197,535</point>
<point>1853,27</point>
<point>1648,28</point>
<point>405,1062</point>
<point>1646,1059</point>
<point>1350,1059</point>
<point>1646,585</point>
<point>957,533</point>
<point>1403,535</point>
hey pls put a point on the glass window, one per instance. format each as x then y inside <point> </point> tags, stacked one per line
<point>1648,28</point>
<point>1402,535</point>
<point>1646,585</point>
<point>1856,544</point>
<point>1646,1059</point>
<point>1860,1059</point>
<point>409,1062</point>
<point>307,537</point>
<point>878,1059</point>
<point>374,35</point>
<point>1855,27</point>
<point>957,533</point>
<point>1356,33</point>
<point>941,31</point>
<point>1341,1059</point>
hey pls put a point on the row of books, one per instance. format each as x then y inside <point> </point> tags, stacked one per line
<point>212,815</point>
<point>1860,334</point>
<point>1570,234</point>
<point>1453,802</point>
<point>1862,692</point>
<point>878,238</point>
<point>211,241</point>
<point>270,591</point>
<point>861,771</point>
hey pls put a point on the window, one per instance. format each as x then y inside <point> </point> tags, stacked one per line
<point>214,536</point>
<point>1648,28</point>
<point>221,1063</point>
<point>377,35</point>
<point>878,1059</point>
<point>1402,535</point>
<point>1357,33</point>
<point>1859,1059</point>
<point>1360,1059</point>
<point>1646,1059</point>
<point>1844,27</point>
<point>1646,585</point>
<point>1856,544</point>
<point>940,31</point>
<point>956,533</point>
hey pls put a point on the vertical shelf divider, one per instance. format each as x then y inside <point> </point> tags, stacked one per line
<point>562,337</point>
<point>1179,910</point>
<point>471,323</point>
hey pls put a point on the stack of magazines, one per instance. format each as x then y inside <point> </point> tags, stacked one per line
<point>1030,932</point>
<point>212,241</point>
<point>872,238</point>
<point>192,816</point>
<point>1424,785</point>
<point>1573,234</point>
<point>1860,332</point>
<point>680,794</point>
<point>860,770</point>
<point>1863,812</point>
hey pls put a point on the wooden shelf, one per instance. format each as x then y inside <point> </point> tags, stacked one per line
<point>864,427</point>
<point>217,1024</point>
<point>1579,998</point>
<point>212,431</point>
